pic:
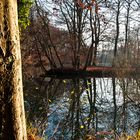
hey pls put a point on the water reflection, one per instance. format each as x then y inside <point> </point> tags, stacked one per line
<point>76,108</point>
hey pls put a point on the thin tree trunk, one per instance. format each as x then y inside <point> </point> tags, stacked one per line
<point>117,31</point>
<point>127,33</point>
<point>13,115</point>
<point>114,102</point>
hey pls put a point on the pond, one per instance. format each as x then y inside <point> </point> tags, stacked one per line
<point>71,109</point>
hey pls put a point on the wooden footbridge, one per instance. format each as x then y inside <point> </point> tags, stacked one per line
<point>93,71</point>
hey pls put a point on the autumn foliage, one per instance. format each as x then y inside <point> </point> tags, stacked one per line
<point>88,5</point>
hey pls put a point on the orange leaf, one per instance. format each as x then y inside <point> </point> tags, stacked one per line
<point>31,137</point>
<point>81,5</point>
<point>88,7</point>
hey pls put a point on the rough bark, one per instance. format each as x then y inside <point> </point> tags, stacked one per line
<point>11,92</point>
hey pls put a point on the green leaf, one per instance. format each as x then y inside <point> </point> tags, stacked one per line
<point>81,126</point>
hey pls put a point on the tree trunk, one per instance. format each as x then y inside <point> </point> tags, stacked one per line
<point>11,92</point>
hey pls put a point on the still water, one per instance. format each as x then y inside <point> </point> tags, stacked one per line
<point>70,109</point>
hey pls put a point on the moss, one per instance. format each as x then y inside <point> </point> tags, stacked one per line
<point>23,12</point>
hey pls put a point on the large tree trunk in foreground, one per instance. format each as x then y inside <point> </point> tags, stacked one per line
<point>13,124</point>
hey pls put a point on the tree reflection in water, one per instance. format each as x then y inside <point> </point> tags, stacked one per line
<point>74,108</point>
